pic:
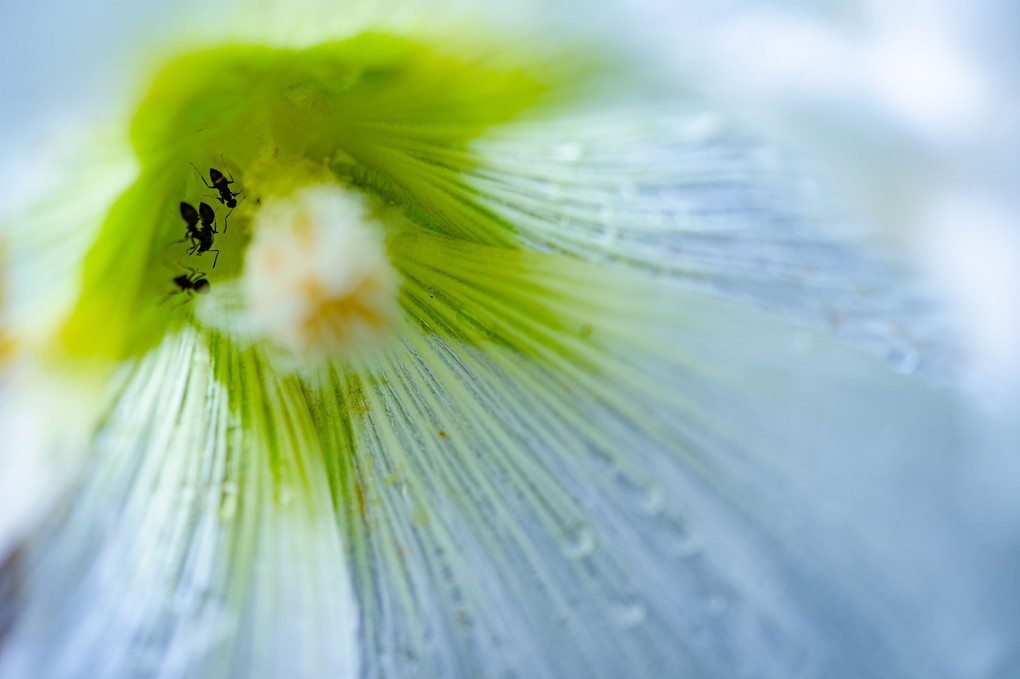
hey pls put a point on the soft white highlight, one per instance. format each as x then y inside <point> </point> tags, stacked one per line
<point>317,280</point>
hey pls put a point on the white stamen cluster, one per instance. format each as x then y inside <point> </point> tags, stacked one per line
<point>317,280</point>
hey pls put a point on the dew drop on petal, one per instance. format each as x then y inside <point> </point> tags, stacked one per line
<point>629,615</point>
<point>570,152</point>
<point>654,501</point>
<point>228,503</point>
<point>579,541</point>
<point>284,495</point>
<point>904,359</point>
<point>686,543</point>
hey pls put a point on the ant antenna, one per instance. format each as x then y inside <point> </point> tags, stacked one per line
<point>225,167</point>
<point>201,177</point>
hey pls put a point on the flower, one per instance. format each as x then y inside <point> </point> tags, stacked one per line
<point>500,368</point>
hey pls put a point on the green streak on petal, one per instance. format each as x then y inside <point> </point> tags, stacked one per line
<point>371,111</point>
<point>481,294</point>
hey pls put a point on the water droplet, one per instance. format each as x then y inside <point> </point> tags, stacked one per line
<point>630,615</point>
<point>703,125</point>
<point>284,495</point>
<point>687,544</point>
<point>646,496</point>
<point>579,542</point>
<point>904,359</point>
<point>228,503</point>
<point>570,152</point>
<point>609,235</point>
<point>654,500</point>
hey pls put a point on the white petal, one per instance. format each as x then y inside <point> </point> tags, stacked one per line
<point>676,188</point>
<point>202,540</point>
<point>651,494</point>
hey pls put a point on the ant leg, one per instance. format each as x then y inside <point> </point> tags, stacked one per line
<point>225,221</point>
<point>176,242</point>
<point>216,258</point>
<point>219,198</point>
<point>202,178</point>
<point>187,298</point>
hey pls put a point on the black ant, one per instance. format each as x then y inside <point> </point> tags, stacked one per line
<point>220,183</point>
<point>193,283</point>
<point>207,216</point>
<point>201,237</point>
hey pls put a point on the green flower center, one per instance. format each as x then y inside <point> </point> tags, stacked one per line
<point>224,132</point>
